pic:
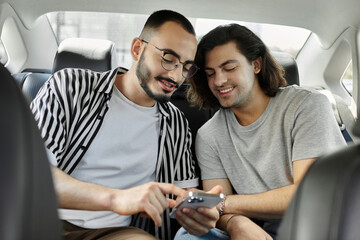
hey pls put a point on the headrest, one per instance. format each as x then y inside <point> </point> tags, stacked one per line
<point>95,54</point>
<point>290,66</point>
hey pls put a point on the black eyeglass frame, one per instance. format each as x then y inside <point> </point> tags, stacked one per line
<point>174,66</point>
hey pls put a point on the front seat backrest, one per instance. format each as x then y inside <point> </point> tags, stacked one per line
<point>28,205</point>
<point>326,203</point>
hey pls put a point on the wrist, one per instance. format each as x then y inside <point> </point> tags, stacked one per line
<point>229,223</point>
<point>238,224</point>
<point>112,201</point>
<point>223,221</point>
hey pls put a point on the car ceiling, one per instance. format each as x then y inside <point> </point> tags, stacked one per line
<point>327,18</point>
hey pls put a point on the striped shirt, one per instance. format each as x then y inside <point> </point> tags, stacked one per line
<point>70,108</point>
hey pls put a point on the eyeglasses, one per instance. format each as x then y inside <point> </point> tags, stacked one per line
<point>169,61</point>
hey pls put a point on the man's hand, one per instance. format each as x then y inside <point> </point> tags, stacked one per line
<point>148,199</point>
<point>242,228</point>
<point>199,222</point>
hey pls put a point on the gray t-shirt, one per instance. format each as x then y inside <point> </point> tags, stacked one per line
<point>297,124</point>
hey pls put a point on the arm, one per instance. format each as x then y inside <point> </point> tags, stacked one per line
<point>270,204</point>
<point>237,226</point>
<point>148,198</point>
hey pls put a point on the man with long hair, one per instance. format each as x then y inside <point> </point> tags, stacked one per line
<point>265,136</point>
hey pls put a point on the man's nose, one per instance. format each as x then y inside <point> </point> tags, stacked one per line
<point>219,79</point>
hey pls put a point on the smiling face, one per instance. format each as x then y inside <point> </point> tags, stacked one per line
<point>231,77</point>
<point>176,43</point>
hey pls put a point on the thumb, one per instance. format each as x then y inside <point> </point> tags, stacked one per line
<point>216,190</point>
<point>171,202</point>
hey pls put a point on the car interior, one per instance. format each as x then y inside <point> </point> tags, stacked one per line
<point>325,204</point>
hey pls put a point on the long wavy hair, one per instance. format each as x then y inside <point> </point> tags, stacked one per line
<point>271,76</point>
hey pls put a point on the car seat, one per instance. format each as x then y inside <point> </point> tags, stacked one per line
<point>95,54</point>
<point>326,203</point>
<point>28,203</point>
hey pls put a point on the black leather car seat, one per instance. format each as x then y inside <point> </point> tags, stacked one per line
<point>326,203</point>
<point>95,54</point>
<point>28,205</point>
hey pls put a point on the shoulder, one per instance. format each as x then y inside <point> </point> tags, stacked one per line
<point>216,123</point>
<point>67,78</point>
<point>76,74</point>
<point>295,91</point>
<point>295,95</point>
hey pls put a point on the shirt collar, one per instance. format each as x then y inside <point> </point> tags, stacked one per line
<point>107,80</point>
<point>163,109</point>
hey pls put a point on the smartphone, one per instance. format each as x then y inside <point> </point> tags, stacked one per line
<point>198,199</point>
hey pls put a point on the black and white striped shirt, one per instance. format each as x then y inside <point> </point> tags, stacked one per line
<point>69,110</point>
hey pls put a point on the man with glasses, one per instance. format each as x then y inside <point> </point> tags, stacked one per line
<point>119,147</point>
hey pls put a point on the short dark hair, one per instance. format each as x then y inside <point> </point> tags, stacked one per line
<point>158,18</point>
<point>271,75</point>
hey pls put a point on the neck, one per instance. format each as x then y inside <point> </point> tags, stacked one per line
<point>252,111</point>
<point>128,85</point>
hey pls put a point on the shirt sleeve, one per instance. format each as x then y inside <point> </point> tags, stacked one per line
<point>50,117</point>
<point>315,129</point>
<point>208,159</point>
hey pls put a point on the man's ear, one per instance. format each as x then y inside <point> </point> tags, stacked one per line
<point>257,65</point>
<point>136,48</point>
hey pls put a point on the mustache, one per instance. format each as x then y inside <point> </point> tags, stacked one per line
<point>159,78</point>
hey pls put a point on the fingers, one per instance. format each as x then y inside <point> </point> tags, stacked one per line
<point>158,199</point>
<point>210,213</point>
<point>168,188</point>
<point>172,203</point>
<point>216,189</point>
<point>156,202</point>
<point>198,222</point>
<point>148,198</point>
<point>190,225</point>
<point>154,214</point>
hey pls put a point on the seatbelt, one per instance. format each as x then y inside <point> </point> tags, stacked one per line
<point>341,124</point>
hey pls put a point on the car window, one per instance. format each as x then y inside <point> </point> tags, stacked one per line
<point>121,29</point>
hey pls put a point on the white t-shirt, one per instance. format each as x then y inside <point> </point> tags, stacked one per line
<point>122,155</point>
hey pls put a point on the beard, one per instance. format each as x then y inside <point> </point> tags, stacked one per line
<point>144,75</point>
